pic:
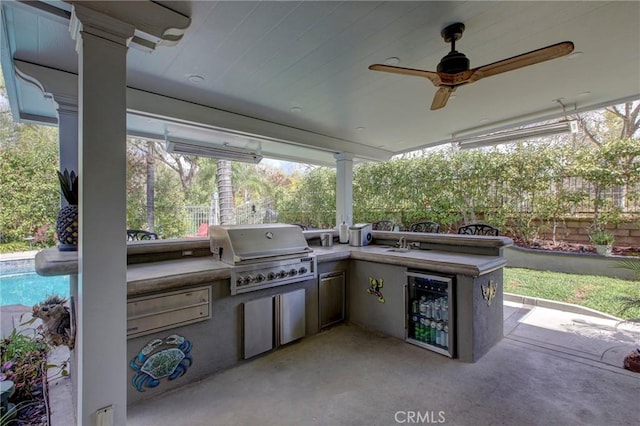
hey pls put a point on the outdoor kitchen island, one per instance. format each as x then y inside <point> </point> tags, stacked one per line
<point>184,323</point>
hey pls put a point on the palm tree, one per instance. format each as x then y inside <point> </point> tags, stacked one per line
<point>248,180</point>
<point>225,191</point>
<point>150,184</point>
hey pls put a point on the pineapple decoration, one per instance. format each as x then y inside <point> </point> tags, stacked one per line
<point>67,223</point>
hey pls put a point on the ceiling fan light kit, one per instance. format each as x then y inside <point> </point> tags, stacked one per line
<point>564,126</point>
<point>454,68</point>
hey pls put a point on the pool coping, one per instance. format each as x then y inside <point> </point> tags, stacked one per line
<point>21,255</point>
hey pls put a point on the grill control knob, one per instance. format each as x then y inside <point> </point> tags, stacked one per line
<point>260,278</point>
<point>302,270</point>
<point>248,279</point>
<point>293,272</point>
<point>271,276</point>
<point>240,281</point>
<point>282,274</point>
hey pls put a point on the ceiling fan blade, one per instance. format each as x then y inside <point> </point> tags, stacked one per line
<point>432,76</point>
<point>441,97</point>
<point>534,57</point>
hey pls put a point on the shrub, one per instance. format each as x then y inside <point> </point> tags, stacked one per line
<point>14,247</point>
<point>23,361</point>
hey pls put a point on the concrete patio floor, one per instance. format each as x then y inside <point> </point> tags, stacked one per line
<point>552,368</point>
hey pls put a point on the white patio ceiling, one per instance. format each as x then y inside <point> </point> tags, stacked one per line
<point>296,72</point>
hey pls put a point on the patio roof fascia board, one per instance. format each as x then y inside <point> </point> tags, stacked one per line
<point>179,111</point>
<point>510,124</point>
<point>56,83</point>
<point>266,153</point>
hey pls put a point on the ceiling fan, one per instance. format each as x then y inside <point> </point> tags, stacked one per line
<point>453,69</point>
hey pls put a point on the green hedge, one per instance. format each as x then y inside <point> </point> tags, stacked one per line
<point>521,189</point>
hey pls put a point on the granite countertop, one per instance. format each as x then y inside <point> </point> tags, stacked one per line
<point>174,274</point>
<point>51,261</point>
<point>432,260</point>
<point>158,276</point>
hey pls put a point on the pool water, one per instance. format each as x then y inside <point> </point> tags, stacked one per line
<point>20,285</point>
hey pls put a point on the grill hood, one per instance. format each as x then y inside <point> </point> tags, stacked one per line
<point>236,244</point>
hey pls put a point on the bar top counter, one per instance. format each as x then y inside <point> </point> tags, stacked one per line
<point>162,265</point>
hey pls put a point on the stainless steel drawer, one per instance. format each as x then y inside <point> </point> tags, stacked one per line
<point>149,314</point>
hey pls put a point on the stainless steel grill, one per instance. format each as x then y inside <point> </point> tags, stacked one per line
<point>263,256</point>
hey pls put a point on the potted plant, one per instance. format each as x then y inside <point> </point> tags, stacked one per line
<point>631,361</point>
<point>603,241</point>
<point>67,222</point>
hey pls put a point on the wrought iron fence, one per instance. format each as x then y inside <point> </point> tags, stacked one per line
<point>626,199</point>
<point>196,216</point>
<point>257,211</point>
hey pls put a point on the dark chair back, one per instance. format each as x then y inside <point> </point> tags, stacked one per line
<point>425,226</point>
<point>479,229</point>
<point>139,234</point>
<point>383,225</point>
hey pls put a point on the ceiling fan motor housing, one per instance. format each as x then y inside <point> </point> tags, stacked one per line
<point>453,63</point>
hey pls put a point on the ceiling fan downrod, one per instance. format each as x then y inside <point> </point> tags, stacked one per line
<point>454,62</point>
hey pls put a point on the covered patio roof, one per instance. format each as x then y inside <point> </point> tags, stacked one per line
<point>291,78</point>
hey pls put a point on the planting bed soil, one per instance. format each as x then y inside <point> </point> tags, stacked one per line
<point>575,247</point>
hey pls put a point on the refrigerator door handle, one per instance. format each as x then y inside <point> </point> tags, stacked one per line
<point>406,308</point>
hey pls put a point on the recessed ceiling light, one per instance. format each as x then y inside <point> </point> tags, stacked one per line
<point>392,61</point>
<point>296,109</point>
<point>484,120</point>
<point>195,78</point>
<point>360,128</point>
<point>583,94</point>
<point>574,55</point>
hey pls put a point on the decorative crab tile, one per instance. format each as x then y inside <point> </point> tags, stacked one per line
<point>161,358</point>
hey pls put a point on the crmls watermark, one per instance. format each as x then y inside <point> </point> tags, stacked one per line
<point>419,417</point>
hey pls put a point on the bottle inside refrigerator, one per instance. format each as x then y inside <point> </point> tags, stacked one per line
<point>430,312</point>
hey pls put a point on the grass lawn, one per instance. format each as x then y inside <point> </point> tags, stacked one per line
<point>600,293</point>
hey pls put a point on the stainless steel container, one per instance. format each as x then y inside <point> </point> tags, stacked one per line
<point>326,239</point>
<point>360,234</point>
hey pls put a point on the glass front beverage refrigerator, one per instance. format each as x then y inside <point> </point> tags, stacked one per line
<point>430,312</point>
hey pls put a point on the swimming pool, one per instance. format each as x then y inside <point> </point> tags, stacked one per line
<point>19,284</point>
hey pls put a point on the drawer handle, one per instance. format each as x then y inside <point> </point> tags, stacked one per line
<point>164,311</point>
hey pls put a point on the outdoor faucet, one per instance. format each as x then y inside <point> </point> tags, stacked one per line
<point>402,243</point>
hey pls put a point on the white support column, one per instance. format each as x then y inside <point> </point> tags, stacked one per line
<point>68,155</point>
<point>344,188</point>
<point>102,254</point>
<point>67,134</point>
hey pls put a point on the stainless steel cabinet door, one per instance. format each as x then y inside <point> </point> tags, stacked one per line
<point>291,316</point>
<point>331,292</point>
<point>378,308</point>
<point>258,326</point>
